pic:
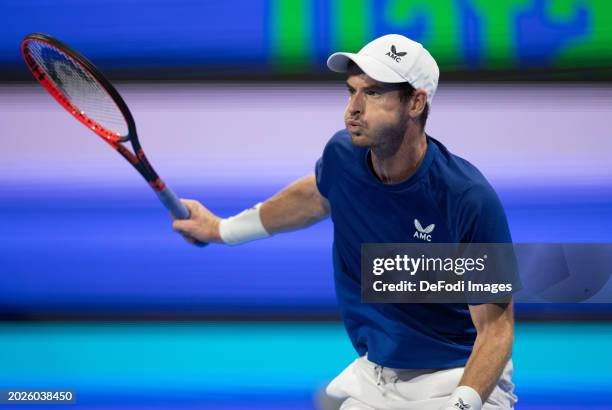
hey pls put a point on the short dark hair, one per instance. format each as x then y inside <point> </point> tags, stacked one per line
<point>406,91</point>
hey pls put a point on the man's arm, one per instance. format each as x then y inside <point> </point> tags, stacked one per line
<point>297,206</point>
<point>492,349</point>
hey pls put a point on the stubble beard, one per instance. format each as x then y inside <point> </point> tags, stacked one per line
<point>384,143</point>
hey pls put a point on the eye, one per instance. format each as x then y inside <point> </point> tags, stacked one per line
<point>373,93</point>
<point>351,91</point>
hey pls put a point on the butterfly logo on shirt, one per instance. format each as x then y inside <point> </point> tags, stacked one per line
<point>423,233</point>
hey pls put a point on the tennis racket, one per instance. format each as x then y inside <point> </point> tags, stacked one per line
<point>79,87</point>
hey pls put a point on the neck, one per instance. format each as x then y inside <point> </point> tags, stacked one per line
<point>402,163</point>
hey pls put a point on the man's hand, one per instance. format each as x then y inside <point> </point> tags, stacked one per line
<point>202,225</point>
<point>297,206</point>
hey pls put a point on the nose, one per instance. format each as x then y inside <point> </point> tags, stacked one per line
<point>355,104</point>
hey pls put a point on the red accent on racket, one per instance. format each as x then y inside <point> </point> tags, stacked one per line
<point>79,87</point>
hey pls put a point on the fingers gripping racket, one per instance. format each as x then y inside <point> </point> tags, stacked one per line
<point>89,97</point>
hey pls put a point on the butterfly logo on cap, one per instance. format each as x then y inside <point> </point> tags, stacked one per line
<point>396,55</point>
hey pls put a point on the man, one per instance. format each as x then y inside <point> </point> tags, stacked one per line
<point>375,178</point>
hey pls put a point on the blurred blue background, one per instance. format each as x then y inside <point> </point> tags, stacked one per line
<point>99,294</point>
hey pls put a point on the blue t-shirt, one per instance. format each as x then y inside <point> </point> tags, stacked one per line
<point>447,191</point>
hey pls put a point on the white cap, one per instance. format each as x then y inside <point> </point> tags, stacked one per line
<point>393,59</point>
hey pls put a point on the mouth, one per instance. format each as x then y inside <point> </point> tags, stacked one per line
<point>353,124</point>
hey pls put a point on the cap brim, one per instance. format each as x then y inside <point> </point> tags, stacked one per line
<point>376,70</point>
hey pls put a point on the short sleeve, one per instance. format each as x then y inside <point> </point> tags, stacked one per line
<point>482,218</point>
<point>325,167</point>
<point>321,178</point>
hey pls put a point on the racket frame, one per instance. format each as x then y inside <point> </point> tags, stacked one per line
<point>137,158</point>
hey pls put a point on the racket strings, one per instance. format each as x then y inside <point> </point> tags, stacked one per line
<point>79,86</point>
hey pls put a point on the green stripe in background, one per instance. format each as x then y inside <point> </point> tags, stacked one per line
<point>498,31</point>
<point>291,25</point>
<point>488,28</point>
<point>442,37</point>
<point>352,25</point>
<point>595,48</point>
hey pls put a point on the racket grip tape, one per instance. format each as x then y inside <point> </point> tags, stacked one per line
<point>175,206</point>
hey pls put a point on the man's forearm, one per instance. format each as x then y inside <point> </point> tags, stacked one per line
<point>297,206</point>
<point>491,352</point>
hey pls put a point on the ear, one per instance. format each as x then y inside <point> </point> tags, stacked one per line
<point>417,103</point>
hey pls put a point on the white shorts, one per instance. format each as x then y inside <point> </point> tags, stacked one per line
<point>368,386</point>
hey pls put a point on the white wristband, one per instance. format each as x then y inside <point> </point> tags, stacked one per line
<point>464,398</point>
<point>244,227</point>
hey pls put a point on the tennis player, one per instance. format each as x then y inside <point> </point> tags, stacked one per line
<point>382,179</point>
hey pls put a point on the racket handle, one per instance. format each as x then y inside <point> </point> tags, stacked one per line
<point>175,206</point>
